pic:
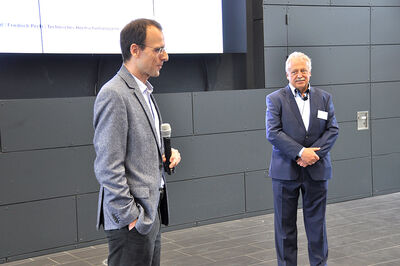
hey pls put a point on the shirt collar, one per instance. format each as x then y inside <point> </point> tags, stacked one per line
<point>142,86</point>
<point>293,89</point>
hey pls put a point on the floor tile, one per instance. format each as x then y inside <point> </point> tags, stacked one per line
<point>231,252</point>
<point>192,261</point>
<point>237,261</point>
<point>97,260</point>
<point>77,263</point>
<point>379,256</point>
<point>346,261</point>
<point>389,263</point>
<point>360,233</point>
<point>264,255</point>
<point>63,257</point>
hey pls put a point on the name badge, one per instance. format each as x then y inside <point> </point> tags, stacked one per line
<point>322,115</point>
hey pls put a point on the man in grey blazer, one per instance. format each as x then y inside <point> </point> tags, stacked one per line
<point>129,150</point>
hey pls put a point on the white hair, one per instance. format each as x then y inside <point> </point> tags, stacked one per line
<point>297,55</point>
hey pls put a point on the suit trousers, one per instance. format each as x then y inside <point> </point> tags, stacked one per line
<point>314,195</point>
<point>130,248</point>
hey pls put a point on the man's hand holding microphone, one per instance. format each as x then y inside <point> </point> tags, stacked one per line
<point>172,157</point>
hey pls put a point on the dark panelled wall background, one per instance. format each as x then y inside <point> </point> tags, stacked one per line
<point>215,105</point>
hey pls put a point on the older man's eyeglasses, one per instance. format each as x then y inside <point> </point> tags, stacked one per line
<point>296,72</point>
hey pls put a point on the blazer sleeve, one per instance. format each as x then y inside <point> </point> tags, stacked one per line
<point>329,136</point>
<point>110,143</point>
<point>274,129</point>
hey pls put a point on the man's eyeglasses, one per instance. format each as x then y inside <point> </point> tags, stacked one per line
<point>158,50</point>
<point>303,71</point>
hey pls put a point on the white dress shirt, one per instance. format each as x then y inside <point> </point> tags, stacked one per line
<point>304,109</point>
<point>146,90</point>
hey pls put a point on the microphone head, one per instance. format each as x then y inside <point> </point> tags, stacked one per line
<point>165,130</point>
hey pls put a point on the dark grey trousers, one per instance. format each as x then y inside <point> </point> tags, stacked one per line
<point>130,248</point>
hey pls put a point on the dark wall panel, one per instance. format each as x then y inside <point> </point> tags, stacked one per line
<point>349,99</point>
<point>25,76</point>
<point>352,22</point>
<point>37,226</point>
<point>218,154</point>
<point>181,73</point>
<point>206,198</point>
<point>259,194</point>
<point>87,215</point>
<point>283,2</point>
<point>256,10</point>
<point>337,65</point>
<point>350,2</point>
<point>385,23</point>
<point>351,179</point>
<point>234,26</point>
<point>351,143</point>
<point>45,174</point>
<point>80,130</point>
<point>385,136</point>
<point>255,72</point>
<point>222,111</point>
<point>385,99</point>
<point>384,63</point>
<point>297,2</point>
<point>82,168</point>
<point>176,109</point>
<point>366,3</point>
<point>45,123</point>
<point>275,28</point>
<point>385,2</point>
<point>274,66</point>
<point>187,72</point>
<point>308,2</point>
<point>386,169</point>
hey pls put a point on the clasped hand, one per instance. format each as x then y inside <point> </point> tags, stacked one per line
<point>308,157</point>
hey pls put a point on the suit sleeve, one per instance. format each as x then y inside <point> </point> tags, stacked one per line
<point>328,138</point>
<point>275,133</point>
<point>110,140</point>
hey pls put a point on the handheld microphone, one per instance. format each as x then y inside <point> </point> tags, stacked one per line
<point>166,135</point>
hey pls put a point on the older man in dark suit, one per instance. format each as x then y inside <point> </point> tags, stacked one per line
<point>302,129</point>
<point>129,150</point>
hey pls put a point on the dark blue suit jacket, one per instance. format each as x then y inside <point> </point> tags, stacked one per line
<point>287,134</point>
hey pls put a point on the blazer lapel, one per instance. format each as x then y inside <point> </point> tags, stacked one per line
<point>148,113</point>
<point>294,107</point>
<point>313,107</point>
<point>159,115</point>
<point>130,81</point>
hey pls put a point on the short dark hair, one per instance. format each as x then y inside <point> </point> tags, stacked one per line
<point>135,32</point>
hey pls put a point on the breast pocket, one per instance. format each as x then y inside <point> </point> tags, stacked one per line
<point>322,118</point>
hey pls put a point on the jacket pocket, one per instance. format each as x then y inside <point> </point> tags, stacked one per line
<point>140,192</point>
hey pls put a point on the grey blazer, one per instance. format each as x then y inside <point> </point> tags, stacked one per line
<point>128,164</point>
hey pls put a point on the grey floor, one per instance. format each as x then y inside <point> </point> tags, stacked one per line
<point>360,232</point>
